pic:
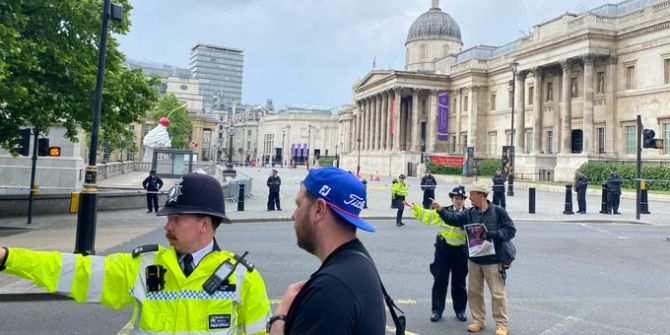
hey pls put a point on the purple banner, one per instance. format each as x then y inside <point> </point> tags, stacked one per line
<point>443,115</point>
<point>292,150</point>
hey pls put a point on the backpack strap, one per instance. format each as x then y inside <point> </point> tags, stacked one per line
<point>399,321</point>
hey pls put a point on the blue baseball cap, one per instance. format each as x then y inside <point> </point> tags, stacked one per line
<point>342,191</point>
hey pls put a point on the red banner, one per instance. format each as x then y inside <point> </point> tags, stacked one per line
<point>447,160</point>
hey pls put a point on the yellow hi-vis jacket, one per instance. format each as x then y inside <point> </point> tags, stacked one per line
<point>181,306</point>
<point>454,236</point>
<point>399,188</point>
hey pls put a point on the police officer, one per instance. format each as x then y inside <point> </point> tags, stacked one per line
<point>580,187</point>
<point>613,192</point>
<point>165,285</point>
<point>399,192</point>
<point>451,256</point>
<point>428,184</point>
<point>152,184</point>
<point>274,182</point>
<point>499,189</point>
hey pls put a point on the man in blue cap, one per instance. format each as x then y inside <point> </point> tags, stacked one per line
<point>344,295</point>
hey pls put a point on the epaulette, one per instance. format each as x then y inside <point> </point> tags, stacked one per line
<point>145,248</point>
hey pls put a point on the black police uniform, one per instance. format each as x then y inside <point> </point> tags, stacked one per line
<point>428,184</point>
<point>274,182</point>
<point>613,193</point>
<point>499,190</point>
<point>580,187</point>
<point>152,184</point>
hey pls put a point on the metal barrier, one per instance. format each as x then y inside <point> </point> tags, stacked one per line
<point>231,189</point>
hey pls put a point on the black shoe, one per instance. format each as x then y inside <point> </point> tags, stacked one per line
<point>435,317</point>
<point>278,209</point>
<point>270,209</point>
<point>617,213</point>
<point>461,317</point>
<point>148,211</point>
<point>399,224</point>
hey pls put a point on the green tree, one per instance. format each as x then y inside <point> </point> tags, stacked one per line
<point>180,128</point>
<point>48,64</point>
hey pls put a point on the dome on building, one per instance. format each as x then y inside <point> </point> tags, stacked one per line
<point>434,24</point>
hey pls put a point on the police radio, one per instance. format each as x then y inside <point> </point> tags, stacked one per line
<point>221,275</point>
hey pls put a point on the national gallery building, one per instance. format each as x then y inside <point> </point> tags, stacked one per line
<point>580,80</point>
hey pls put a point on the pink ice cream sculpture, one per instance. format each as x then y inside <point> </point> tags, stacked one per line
<point>157,137</point>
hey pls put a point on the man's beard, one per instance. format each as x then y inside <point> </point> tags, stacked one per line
<point>306,239</point>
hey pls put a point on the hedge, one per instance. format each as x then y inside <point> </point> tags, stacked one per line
<point>326,161</point>
<point>597,173</point>
<point>487,167</point>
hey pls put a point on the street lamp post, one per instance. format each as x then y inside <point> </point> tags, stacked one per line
<point>231,132</point>
<point>86,219</point>
<point>337,160</point>
<point>309,137</point>
<point>510,182</point>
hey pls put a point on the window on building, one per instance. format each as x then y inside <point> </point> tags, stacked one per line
<point>249,132</point>
<point>131,127</point>
<point>424,52</point>
<point>550,92</point>
<point>631,139</point>
<point>666,71</point>
<point>531,95</point>
<point>492,143</point>
<point>453,143</point>
<point>529,141</point>
<point>465,103</point>
<point>601,140</point>
<point>630,77</point>
<point>666,138</point>
<point>510,99</point>
<point>574,87</point>
<point>508,136</point>
<point>248,145</point>
<point>550,142</point>
<point>493,101</point>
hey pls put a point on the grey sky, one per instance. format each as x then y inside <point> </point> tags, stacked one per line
<point>312,51</point>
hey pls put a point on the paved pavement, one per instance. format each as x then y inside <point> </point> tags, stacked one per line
<point>57,232</point>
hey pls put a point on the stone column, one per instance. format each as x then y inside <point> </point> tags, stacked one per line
<point>432,123</point>
<point>520,110</point>
<point>610,107</point>
<point>566,109</point>
<point>368,123</point>
<point>373,122</point>
<point>384,121</point>
<point>415,121</point>
<point>396,121</point>
<point>587,116</point>
<point>387,124</point>
<point>378,126</point>
<point>472,117</point>
<point>459,113</point>
<point>537,112</point>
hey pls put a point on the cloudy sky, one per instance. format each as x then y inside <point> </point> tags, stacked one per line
<point>312,51</point>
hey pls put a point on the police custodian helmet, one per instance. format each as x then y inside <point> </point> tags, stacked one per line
<point>195,193</point>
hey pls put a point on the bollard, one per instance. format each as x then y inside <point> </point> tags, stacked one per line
<point>603,202</point>
<point>240,199</point>
<point>531,200</point>
<point>644,197</point>
<point>365,184</point>
<point>568,200</point>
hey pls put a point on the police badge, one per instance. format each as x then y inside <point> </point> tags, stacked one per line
<point>175,191</point>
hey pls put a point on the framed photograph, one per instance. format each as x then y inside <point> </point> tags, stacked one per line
<point>477,245</point>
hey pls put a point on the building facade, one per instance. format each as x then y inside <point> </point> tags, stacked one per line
<point>219,70</point>
<point>580,81</point>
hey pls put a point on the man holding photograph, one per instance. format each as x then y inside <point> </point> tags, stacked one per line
<point>489,268</point>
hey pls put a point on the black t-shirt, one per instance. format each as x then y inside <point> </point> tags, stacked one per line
<point>343,297</point>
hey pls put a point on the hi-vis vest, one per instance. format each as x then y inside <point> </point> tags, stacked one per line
<point>454,236</point>
<point>181,306</point>
<point>399,189</point>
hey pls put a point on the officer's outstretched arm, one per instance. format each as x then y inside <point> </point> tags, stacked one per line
<point>97,279</point>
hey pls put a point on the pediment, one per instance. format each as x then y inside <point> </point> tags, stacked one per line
<point>373,76</point>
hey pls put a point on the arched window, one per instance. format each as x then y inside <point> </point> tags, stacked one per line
<point>423,52</point>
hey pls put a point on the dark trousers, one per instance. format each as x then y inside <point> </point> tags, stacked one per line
<point>581,201</point>
<point>273,200</point>
<point>427,195</point>
<point>152,201</point>
<point>499,199</point>
<point>613,202</point>
<point>454,260</point>
<point>400,207</point>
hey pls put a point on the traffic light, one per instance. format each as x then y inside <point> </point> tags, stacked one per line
<point>648,140</point>
<point>54,151</point>
<point>43,147</point>
<point>23,147</point>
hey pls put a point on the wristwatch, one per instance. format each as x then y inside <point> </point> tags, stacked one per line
<point>278,317</point>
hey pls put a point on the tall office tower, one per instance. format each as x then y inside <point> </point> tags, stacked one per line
<point>219,70</point>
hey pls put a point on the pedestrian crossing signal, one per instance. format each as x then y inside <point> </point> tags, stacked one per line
<point>54,151</point>
<point>649,141</point>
